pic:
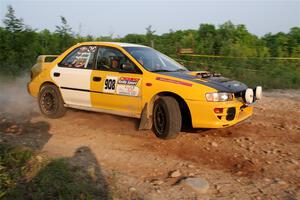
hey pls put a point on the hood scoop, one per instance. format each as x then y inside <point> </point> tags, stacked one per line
<point>216,80</point>
<point>207,75</point>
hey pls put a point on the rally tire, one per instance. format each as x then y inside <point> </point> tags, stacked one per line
<point>166,117</point>
<point>50,102</point>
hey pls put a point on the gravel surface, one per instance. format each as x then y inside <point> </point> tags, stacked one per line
<point>259,159</point>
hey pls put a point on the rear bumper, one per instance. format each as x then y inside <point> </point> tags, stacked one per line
<point>32,89</point>
<point>203,115</point>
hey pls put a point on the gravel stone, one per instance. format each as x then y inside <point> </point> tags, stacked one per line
<point>175,174</point>
<point>214,144</point>
<point>199,185</point>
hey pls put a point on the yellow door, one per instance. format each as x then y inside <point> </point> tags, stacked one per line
<point>116,83</point>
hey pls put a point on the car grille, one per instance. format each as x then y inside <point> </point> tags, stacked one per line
<point>230,114</point>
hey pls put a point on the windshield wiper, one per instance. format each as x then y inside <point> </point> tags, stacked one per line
<point>161,70</point>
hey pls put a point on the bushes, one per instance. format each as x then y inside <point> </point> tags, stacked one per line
<point>270,73</point>
<point>20,46</point>
<point>12,163</point>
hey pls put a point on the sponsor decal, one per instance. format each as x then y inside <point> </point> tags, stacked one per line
<point>128,81</point>
<point>128,86</point>
<point>128,90</point>
<point>173,81</point>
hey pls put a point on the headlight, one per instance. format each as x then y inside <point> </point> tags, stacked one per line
<point>249,96</point>
<point>217,97</point>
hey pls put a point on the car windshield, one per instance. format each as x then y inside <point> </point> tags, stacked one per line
<point>153,60</point>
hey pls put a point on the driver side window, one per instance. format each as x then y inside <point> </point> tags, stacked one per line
<point>111,59</point>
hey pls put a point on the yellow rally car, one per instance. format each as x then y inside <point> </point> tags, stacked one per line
<point>137,81</point>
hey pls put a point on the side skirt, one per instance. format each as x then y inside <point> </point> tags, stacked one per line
<point>120,113</point>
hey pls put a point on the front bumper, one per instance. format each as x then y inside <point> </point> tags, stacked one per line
<point>203,115</point>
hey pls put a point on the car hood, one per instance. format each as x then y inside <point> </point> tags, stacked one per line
<point>220,83</point>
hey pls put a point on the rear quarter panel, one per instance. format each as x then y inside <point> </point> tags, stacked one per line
<point>42,73</point>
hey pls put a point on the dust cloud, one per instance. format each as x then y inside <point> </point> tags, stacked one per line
<point>14,98</point>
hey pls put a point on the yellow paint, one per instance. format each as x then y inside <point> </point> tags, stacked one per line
<point>202,113</point>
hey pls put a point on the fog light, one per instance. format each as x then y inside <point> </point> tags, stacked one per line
<point>258,92</point>
<point>249,96</point>
<point>218,110</point>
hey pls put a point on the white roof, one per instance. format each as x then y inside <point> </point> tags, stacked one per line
<point>121,44</point>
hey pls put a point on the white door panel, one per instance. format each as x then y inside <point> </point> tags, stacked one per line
<point>74,84</point>
<point>73,97</point>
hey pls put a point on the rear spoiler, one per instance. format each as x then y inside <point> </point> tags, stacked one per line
<point>46,58</point>
<point>42,62</point>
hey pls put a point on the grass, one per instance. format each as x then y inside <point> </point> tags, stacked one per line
<point>12,166</point>
<point>26,175</point>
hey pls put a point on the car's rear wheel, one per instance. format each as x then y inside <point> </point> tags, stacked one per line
<point>50,102</point>
<point>166,117</point>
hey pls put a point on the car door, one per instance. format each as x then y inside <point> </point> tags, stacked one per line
<point>116,83</point>
<point>73,76</point>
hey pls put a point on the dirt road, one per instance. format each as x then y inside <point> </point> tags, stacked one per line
<point>259,159</point>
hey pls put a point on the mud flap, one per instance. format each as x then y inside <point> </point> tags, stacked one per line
<point>146,119</point>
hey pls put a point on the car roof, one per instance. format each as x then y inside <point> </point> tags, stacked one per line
<point>121,44</point>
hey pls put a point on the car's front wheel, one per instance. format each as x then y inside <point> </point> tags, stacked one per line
<point>50,102</point>
<point>166,117</point>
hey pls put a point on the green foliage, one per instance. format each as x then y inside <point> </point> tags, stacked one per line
<point>12,162</point>
<point>269,73</point>
<point>228,40</point>
<point>57,180</point>
<point>18,51</point>
<point>64,28</point>
<point>207,37</point>
<point>11,22</point>
<point>64,35</point>
<point>188,40</point>
<point>134,38</point>
<point>20,46</point>
<point>150,35</point>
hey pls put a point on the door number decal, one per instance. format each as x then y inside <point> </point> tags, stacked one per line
<point>110,84</point>
<point>125,86</point>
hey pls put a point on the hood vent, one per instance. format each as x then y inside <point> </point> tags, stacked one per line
<point>207,74</point>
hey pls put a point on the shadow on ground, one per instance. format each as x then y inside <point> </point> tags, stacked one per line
<point>77,177</point>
